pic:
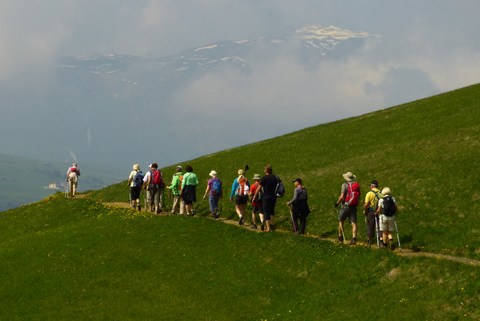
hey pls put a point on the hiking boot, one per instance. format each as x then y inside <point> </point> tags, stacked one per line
<point>262,227</point>
<point>139,208</point>
<point>353,241</point>
<point>254,226</point>
<point>340,239</point>
<point>241,221</point>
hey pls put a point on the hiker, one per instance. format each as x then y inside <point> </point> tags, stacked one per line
<point>154,184</point>
<point>268,184</point>
<point>299,207</point>
<point>240,188</point>
<point>387,209</point>
<point>189,185</point>
<point>257,202</point>
<point>73,173</point>
<point>135,182</point>
<point>176,188</point>
<point>214,192</point>
<point>349,196</point>
<point>370,207</point>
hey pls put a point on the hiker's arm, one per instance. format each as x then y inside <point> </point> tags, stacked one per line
<point>295,197</point>
<point>340,199</point>
<point>207,190</point>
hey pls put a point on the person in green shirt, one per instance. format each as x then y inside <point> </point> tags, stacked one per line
<point>189,186</point>
<point>176,188</point>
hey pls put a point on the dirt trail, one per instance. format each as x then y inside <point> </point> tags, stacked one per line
<point>404,252</point>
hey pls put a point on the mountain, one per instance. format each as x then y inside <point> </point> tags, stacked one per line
<point>126,109</point>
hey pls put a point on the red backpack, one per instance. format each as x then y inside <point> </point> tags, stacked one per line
<point>156,177</point>
<point>353,194</point>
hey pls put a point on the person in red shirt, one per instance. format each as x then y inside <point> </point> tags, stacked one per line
<point>257,204</point>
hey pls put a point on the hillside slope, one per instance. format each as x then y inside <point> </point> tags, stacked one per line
<point>426,151</point>
<point>77,259</point>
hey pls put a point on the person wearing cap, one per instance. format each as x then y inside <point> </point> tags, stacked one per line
<point>176,188</point>
<point>257,203</point>
<point>189,189</point>
<point>135,182</point>
<point>299,207</point>
<point>387,222</point>
<point>240,188</point>
<point>347,210</point>
<point>72,179</point>
<point>370,207</point>
<point>154,188</point>
<point>214,193</point>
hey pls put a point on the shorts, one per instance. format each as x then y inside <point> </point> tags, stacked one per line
<point>189,195</point>
<point>387,223</point>
<point>269,208</point>
<point>349,212</point>
<point>257,209</point>
<point>135,192</point>
<point>241,199</point>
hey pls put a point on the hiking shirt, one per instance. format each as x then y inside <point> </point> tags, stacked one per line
<point>131,177</point>
<point>176,184</point>
<point>253,190</point>
<point>299,201</point>
<point>210,187</point>
<point>269,184</point>
<point>189,178</point>
<point>371,198</point>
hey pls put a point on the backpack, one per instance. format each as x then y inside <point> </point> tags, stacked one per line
<point>156,177</point>
<point>243,187</point>
<point>353,194</point>
<point>217,187</point>
<point>388,206</point>
<point>73,169</point>
<point>279,189</point>
<point>138,179</point>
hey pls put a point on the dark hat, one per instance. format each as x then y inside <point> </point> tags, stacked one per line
<point>298,180</point>
<point>374,183</point>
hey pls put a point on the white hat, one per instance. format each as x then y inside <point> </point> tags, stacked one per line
<point>386,191</point>
<point>136,167</point>
<point>213,173</point>
<point>349,177</point>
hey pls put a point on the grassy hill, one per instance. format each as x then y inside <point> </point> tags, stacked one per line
<point>78,259</point>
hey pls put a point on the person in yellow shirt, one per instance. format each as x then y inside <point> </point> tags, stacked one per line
<point>371,202</point>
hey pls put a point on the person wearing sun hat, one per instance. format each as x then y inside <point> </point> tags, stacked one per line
<point>214,193</point>
<point>387,209</point>
<point>257,203</point>
<point>350,192</point>
<point>135,182</point>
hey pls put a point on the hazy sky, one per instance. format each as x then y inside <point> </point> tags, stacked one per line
<point>417,48</point>
<point>440,34</point>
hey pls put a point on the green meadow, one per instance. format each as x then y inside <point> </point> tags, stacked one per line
<point>80,259</point>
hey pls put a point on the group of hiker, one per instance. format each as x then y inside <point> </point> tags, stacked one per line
<point>379,209</point>
<point>262,193</point>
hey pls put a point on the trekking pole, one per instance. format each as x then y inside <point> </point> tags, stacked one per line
<point>398,237</point>
<point>295,230</point>
<point>340,225</point>
<point>366,229</point>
